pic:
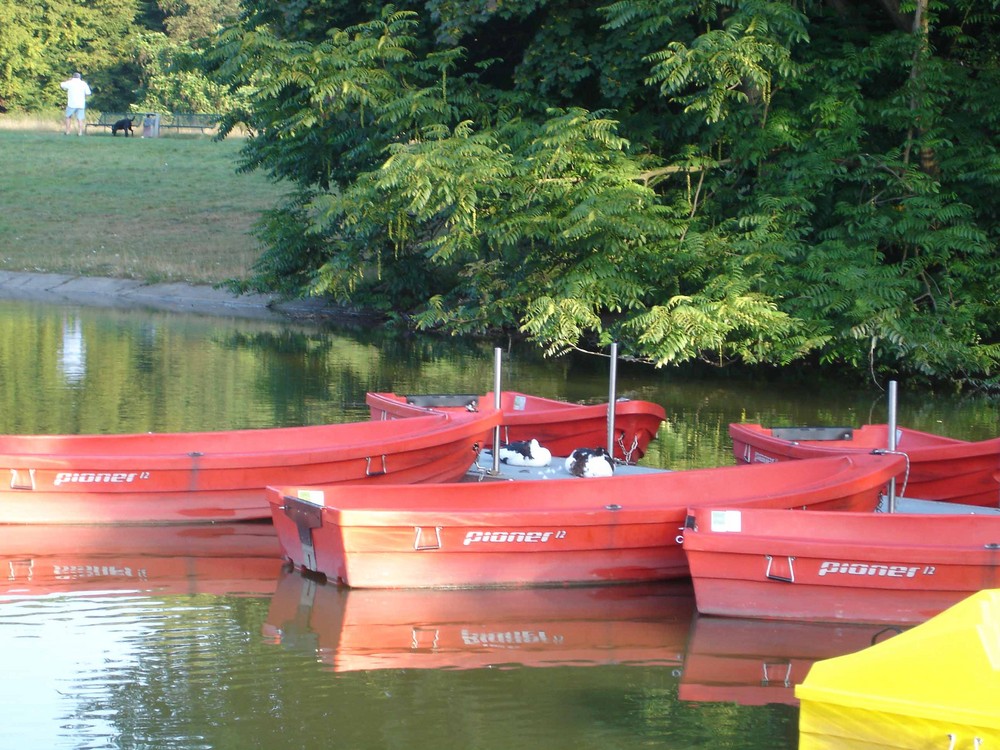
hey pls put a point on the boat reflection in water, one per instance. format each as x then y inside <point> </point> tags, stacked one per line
<point>225,558</point>
<point>757,662</point>
<point>362,629</point>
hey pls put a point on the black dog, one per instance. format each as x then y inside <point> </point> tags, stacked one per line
<point>125,125</point>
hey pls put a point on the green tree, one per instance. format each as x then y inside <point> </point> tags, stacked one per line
<point>172,79</point>
<point>736,181</point>
<point>43,43</point>
<point>169,54</point>
<point>194,20</point>
<point>134,53</point>
<point>22,55</point>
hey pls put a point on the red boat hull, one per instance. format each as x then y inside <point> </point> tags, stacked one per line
<point>221,476</point>
<point>618,529</point>
<point>350,629</point>
<point>560,426</point>
<point>857,567</point>
<point>940,468</point>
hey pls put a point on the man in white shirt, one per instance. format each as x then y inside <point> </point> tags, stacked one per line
<point>77,92</point>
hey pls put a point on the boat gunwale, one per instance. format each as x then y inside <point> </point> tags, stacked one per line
<point>934,448</point>
<point>209,452</point>
<point>449,499</point>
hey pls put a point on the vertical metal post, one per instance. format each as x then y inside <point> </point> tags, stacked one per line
<point>612,389</point>
<point>497,357</point>
<point>892,442</point>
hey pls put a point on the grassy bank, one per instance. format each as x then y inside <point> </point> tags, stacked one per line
<point>163,209</point>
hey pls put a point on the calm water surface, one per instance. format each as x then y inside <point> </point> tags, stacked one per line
<point>196,637</point>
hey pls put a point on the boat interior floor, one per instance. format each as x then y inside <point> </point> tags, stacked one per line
<point>914,505</point>
<point>482,470</point>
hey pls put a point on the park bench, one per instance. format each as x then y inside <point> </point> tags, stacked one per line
<point>190,121</point>
<point>176,121</point>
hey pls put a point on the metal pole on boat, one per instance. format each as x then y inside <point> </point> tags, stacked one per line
<point>497,357</point>
<point>892,442</point>
<point>612,388</point>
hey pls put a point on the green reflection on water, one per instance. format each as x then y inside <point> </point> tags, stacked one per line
<point>81,370</point>
<point>203,670</point>
<point>200,671</point>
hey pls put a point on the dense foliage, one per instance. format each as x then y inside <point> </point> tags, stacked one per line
<point>136,55</point>
<point>752,181</point>
<point>737,180</point>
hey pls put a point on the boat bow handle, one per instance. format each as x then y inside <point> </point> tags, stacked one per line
<point>776,576</point>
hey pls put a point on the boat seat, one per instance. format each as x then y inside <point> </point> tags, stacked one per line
<point>445,400</point>
<point>813,433</point>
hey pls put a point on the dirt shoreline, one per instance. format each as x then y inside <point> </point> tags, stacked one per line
<point>127,293</point>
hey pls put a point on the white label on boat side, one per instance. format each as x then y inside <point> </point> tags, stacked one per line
<point>726,521</point>
<point>511,537</point>
<point>98,477</point>
<point>833,567</point>
<point>311,496</point>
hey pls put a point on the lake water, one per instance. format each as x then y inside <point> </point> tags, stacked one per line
<point>197,637</point>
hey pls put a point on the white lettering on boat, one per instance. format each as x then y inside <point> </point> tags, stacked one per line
<point>516,537</point>
<point>507,638</point>
<point>830,567</point>
<point>76,572</point>
<point>760,458</point>
<point>97,477</point>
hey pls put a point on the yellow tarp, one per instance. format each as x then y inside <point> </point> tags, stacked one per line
<point>937,685</point>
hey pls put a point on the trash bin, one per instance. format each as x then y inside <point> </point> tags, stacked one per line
<point>151,126</point>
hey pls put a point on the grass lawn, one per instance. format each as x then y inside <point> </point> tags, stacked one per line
<point>157,209</point>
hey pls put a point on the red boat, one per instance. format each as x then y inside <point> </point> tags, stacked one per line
<point>554,531</point>
<point>225,558</point>
<point>940,468</point>
<point>351,630</point>
<point>560,426</point>
<point>221,476</point>
<point>857,567</point>
<point>757,662</point>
